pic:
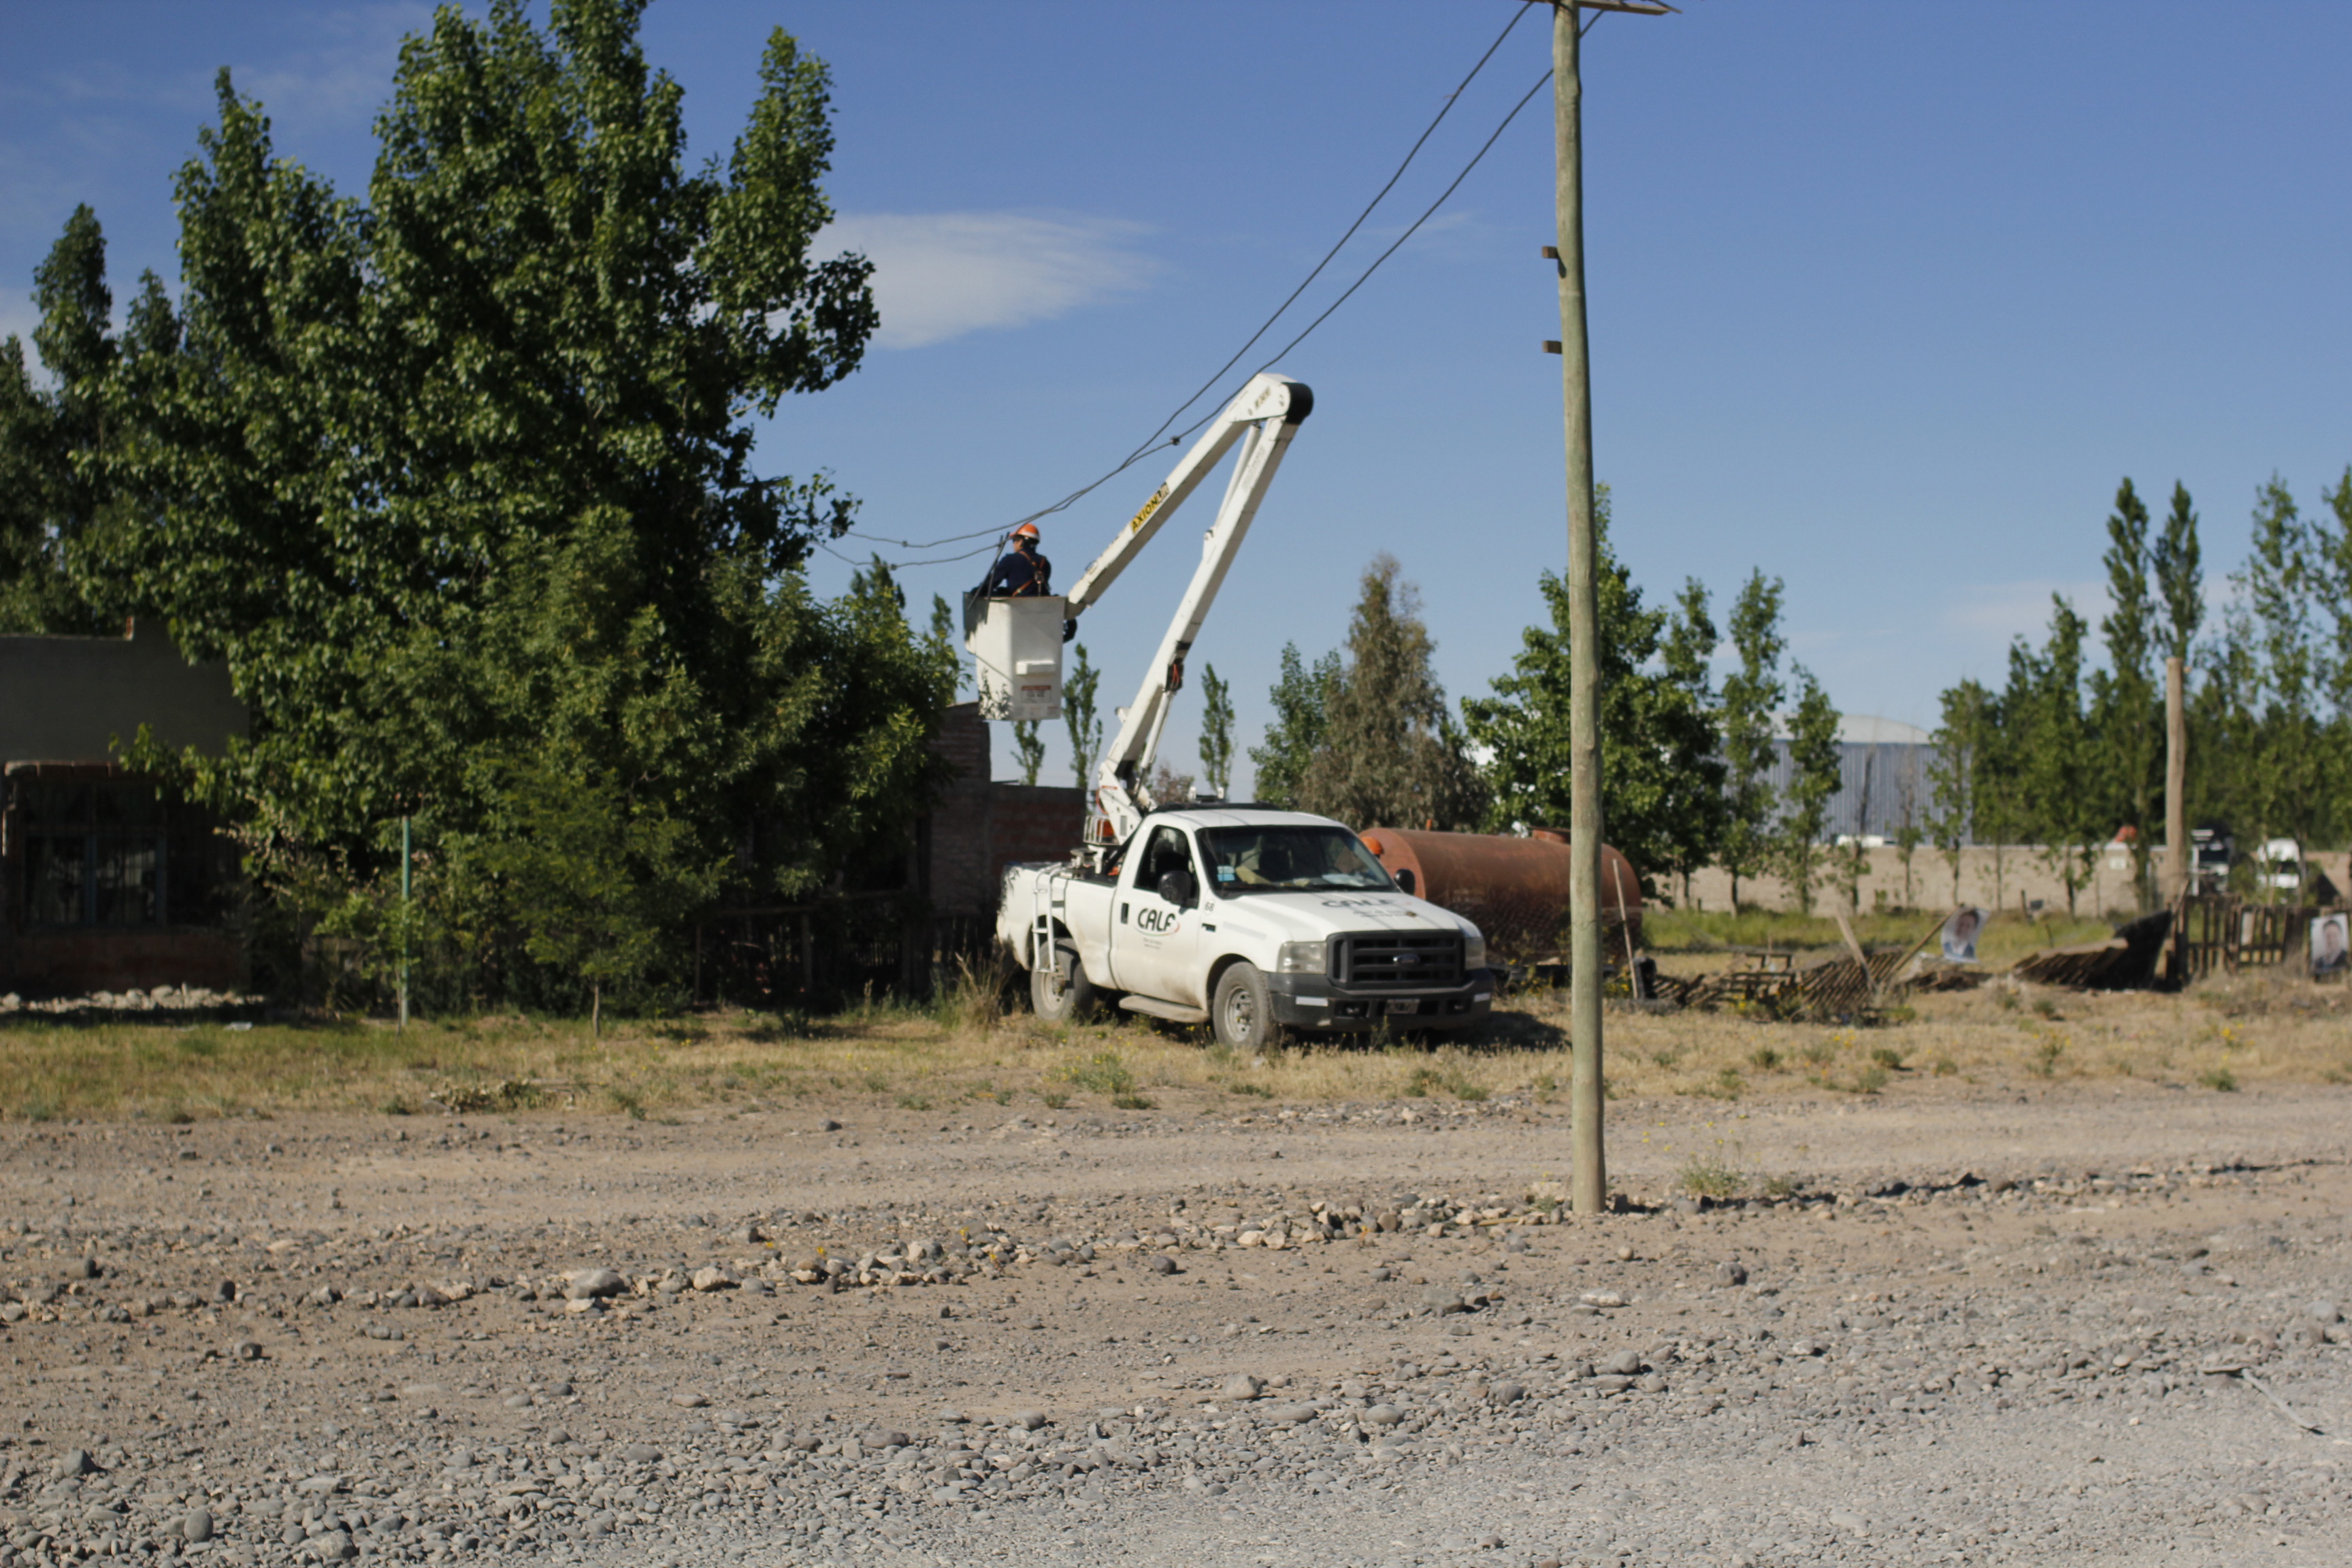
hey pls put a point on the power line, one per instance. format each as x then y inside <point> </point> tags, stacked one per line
<point>1152,443</point>
<point>1447,108</point>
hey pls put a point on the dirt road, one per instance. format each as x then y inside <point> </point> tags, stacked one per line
<point>2086,1324</point>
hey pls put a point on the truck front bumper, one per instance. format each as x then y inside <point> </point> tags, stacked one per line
<point>1312,1002</point>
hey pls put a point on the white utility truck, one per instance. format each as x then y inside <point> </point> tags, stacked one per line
<point>1251,921</point>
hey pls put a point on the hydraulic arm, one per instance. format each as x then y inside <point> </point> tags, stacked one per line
<point>1261,421</point>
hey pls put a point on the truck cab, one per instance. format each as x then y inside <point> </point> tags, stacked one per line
<point>1252,921</point>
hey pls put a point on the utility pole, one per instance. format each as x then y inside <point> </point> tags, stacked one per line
<point>2177,861</point>
<point>1589,1164</point>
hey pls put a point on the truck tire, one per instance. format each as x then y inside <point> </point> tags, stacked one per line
<point>1059,991</point>
<point>1243,1016</point>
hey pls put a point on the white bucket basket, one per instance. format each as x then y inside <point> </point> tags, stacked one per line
<point>1016,651</point>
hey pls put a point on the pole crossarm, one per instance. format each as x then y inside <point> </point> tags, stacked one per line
<point>1631,7</point>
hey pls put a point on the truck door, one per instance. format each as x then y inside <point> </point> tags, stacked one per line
<point>1156,939</point>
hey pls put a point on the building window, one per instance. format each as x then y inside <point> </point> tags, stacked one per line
<point>114,853</point>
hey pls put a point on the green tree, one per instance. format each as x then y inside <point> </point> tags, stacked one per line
<point>1691,738</point>
<point>1955,764</point>
<point>1216,732</point>
<point>2277,777</point>
<point>1660,778</point>
<point>1910,824</point>
<point>943,640</point>
<point>1030,747</point>
<point>601,882</point>
<point>1078,714</point>
<point>2054,756</point>
<point>1391,754</point>
<point>56,494</point>
<point>1301,698</point>
<point>2177,561</point>
<point>2126,702</point>
<point>461,482</point>
<point>1751,697</point>
<point>1815,775</point>
<point>2332,568</point>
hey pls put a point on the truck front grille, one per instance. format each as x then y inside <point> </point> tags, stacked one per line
<point>1398,961</point>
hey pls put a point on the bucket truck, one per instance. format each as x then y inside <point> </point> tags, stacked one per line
<point>1252,921</point>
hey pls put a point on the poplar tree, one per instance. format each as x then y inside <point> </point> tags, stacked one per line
<point>1751,698</point>
<point>1815,775</point>
<point>1301,698</point>
<point>2127,712</point>
<point>1216,732</point>
<point>1078,716</point>
<point>1390,753</point>
<point>1955,764</point>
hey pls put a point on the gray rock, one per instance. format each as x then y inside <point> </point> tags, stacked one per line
<point>713,1279</point>
<point>640,1453</point>
<point>688,1401</point>
<point>1442,1300</point>
<point>593,1284</point>
<point>1241,1385</point>
<point>1620,1363</point>
<point>1510,1392</point>
<point>74,1462</point>
<point>1161,1263</point>
<point>336,1547</point>
<point>1383,1416</point>
<point>197,1525</point>
<point>1027,1420</point>
<point>2324,1312</point>
<point>1729,1274</point>
<point>246,1349</point>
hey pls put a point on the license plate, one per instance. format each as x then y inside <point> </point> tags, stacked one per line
<point>1412,1007</point>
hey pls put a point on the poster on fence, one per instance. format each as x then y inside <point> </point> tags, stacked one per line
<point>1960,936</point>
<point>2327,944</point>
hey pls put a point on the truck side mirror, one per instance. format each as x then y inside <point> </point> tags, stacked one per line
<point>1176,887</point>
<point>1404,879</point>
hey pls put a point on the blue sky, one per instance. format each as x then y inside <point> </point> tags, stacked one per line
<point>1885,297</point>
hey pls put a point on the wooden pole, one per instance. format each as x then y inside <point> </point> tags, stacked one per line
<point>1588,1167</point>
<point>2176,860</point>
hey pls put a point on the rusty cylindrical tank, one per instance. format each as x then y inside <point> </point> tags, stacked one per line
<point>1514,889</point>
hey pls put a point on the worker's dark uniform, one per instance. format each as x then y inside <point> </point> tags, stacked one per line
<point>1021,575</point>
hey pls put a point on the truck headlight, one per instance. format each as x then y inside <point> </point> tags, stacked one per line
<point>1300,958</point>
<point>1474,951</point>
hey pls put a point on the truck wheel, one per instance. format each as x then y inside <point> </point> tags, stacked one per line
<point>1059,991</point>
<point>1243,1014</point>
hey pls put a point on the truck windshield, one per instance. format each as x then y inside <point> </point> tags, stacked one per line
<point>1288,860</point>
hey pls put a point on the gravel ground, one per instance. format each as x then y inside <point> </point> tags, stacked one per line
<point>2083,1326</point>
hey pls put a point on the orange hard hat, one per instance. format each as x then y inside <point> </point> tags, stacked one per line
<point>1026,530</point>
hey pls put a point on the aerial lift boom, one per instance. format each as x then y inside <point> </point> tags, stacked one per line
<point>1262,421</point>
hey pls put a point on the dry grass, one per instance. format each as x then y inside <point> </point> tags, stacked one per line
<point>2244,1032</point>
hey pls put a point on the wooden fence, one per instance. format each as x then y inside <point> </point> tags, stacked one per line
<point>2226,933</point>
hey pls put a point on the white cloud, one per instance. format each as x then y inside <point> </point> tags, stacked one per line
<point>940,275</point>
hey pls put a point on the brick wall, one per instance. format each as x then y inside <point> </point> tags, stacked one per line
<point>980,826</point>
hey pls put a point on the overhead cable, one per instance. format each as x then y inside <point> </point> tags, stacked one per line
<point>1154,442</point>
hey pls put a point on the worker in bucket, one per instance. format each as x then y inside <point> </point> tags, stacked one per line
<point>1022,573</point>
